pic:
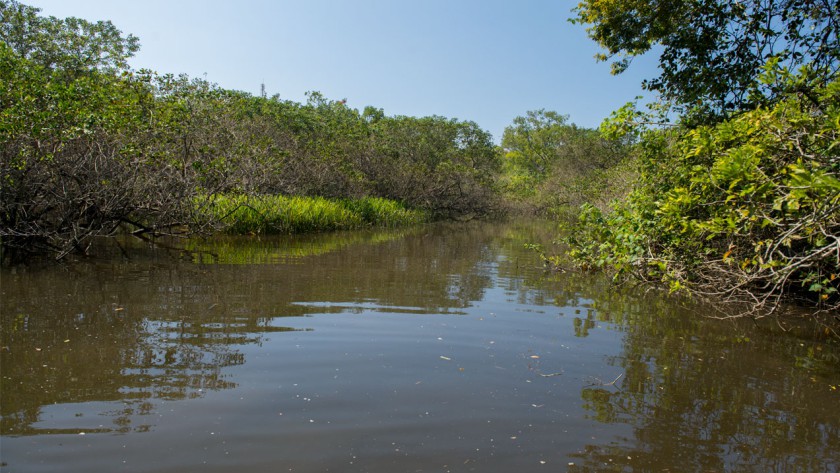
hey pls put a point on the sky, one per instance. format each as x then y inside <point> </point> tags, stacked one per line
<point>486,61</point>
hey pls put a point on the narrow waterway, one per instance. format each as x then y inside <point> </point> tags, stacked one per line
<point>439,348</point>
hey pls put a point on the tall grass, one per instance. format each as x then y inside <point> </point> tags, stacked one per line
<point>240,214</point>
<point>381,212</point>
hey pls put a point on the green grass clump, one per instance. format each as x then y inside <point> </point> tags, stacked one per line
<point>265,214</point>
<point>381,212</point>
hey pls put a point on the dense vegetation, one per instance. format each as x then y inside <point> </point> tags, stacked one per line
<point>552,167</point>
<point>728,188</point>
<point>740,200</point>
<point>91,147</point>
<point>712,51</point>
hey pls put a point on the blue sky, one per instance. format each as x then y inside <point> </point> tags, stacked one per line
<point>482,60</point>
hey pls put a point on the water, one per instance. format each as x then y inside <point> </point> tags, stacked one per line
<point>442,348</point>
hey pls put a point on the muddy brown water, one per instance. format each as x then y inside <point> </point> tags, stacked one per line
<point>439,348</point>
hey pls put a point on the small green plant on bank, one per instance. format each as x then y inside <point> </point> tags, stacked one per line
<point>243,214</point>
<point>380,212</point>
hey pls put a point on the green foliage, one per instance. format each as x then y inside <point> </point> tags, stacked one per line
<point>551,166</point>
<point>71,153</point>
<point>532,143</point>
<point>446,166</point>
<point>712,51</point>
<point>243,214</point>
<point>91,148</point>
<point>381,212</point>
<point>747,209</point>
<point>740,201</point>
<point>279,214</point>
<point>72,45</point>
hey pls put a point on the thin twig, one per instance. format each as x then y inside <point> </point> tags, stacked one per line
<point>601,383</point>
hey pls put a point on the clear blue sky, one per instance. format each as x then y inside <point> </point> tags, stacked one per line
<point>482,60</point>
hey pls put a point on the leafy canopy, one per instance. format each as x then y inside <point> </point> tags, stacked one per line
<point>70,44</point>
<point>712,51</point>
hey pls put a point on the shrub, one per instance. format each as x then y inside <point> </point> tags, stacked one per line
<point>744,211</point>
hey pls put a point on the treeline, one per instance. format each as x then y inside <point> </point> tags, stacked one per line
<point>551,167</point>
<point>90,147</point>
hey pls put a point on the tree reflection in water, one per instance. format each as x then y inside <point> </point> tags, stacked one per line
<point>110,349</point>
<point>103,345</point>
<point>115,337</point>
<point>702,395</point>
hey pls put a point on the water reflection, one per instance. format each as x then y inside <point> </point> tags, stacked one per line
<point>157,324</point>
<point>80,338</point>
<point>705,395</point>
<point>439,347</point>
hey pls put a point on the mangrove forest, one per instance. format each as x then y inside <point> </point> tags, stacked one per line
<point>726,190</point>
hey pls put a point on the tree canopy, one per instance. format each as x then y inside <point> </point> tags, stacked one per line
<point>70,44</point>
<point>711,52</point>
<point>553,166</point>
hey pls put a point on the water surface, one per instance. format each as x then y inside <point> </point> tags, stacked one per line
<point>440,348</point>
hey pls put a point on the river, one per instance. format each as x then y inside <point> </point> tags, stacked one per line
<point>441,348</point>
